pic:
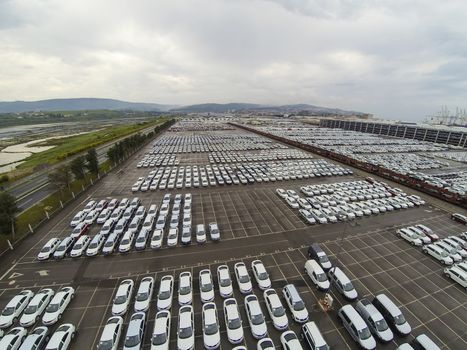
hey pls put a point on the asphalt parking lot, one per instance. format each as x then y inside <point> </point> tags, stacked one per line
<point>255,224</point>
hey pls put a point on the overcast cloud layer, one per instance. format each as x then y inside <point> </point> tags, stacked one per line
<point>397,59</point>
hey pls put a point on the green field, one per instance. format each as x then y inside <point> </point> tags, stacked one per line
<point>69,146</point>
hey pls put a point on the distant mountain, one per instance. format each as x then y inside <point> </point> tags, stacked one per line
<point>249,107</point>
<point>74,104</point>
<point>216,107</point>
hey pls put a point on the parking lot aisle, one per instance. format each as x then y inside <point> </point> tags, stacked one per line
<point>275,210</point>
<point>236,201</point>
<point>329,326</point>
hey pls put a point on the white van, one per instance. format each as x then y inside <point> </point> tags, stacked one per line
<point>317,275</point>
<point>313,337</point>
<point>342,283</point>
<point>356,327</point>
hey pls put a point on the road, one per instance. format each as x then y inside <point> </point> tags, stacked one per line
<point>36,187</point>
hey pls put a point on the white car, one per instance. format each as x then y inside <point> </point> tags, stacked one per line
<point>438,253</point>
<point>255,317</point>
<point>164,210</point>
<point>261,275</point>
<point>80,246</point>
<point>243,278</point>
<point>210,326</point>
<point>289,340</point>
<point>160,338</point>
<point>206,286</point>
<point>122,297</point>
<point>127,242</point>
<point>303,203</point>
<point>172,237</point>
<point>292,194</point>
<point>185,288</point>
<point>224,281</point>
<point>275,309</point>
<point>62,337</point>
<point>156,239</point>
<point>164,296</point>
<point>186,328</point>
<point>452,252</point>
<point>111,334</point>
<point>265,344</point>
<point>13,339</point>
<point>103,216</point>
<point>144,294</point>
<point>48,249</point>
<point>319,216</point>
<point>78,218</point>
<point>91,217</point>
<point>134,335</point>
<point>36,306</point>
<point>281,192</point>
<point>457,273</point>
<point>200,234</point>
<point>292,202</point>
<point>307,216</point>
<point>108,226</point>
<point>14,308</point>
<point>214,231</point>
<point>96,245</point>
<point>57,306</point>
<point>233,321</point>
<point>409,236</point>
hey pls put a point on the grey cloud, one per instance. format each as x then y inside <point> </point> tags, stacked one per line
<point>393,58</point>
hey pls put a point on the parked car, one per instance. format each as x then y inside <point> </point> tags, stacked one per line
<point>62,337</point>
<point>255,317</point>
<point>48,249</point>
<point>13,339</point>
<point>185,328</point>
<point>275,309</point>
<point>134,336</point>
<point>233,321</point>
<point>160,338</point>
<point>185,288</point>
<point>14,308</point>
<point>144,294</point>
<point>243,278</point>
<point>210,326</point>
<point>122,297</point>
<point>111,334</point>
<point>57,306</point>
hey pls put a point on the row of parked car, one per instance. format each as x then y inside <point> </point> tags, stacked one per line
<point>343,203</point>
<point>200,143</point>
<point>28,309</point>
<point>210,322</point>
<point>366,320</point>
<point>451,250</point>
<point>153,160</point>
<point>260,156</point>
<point>242,173</point>
<point>135,227</point>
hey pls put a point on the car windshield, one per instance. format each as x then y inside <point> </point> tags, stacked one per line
<point>164,295</point>
<point>156,237</point>
<point>444,254</point>
<point>185,332</point>
<point>211,329</point>
<point>53,308</point>
<point>78,246</point>
<point>234,323</point>
<point>30,309</point>
<point>348,287</point>
<point>399,319</point>
<point>257,319</point>
<point>278,311</point>
<point>206,287</point>
<point>381,325</point>
<point>61,248</point>
<point>184,290</point>
<point>132,340</point>
<point>105,345</point>
<point>109,243</point>
<point>159,339</point>
<point>9,310</point>
<point>321,277</point>
<point>263,275</point>
<point>364,333</point>
<point>323,258</point>
<point>45,250</point>
<point>244,278</point>
<point>224,282</point>
<point>299,305</point>
<point>141,239</point>
<point>142,296</point>
<point>120,299</point>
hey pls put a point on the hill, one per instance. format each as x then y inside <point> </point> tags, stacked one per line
<point>74,104</point>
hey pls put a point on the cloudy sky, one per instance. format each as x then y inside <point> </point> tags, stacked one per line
<point>398,59</point>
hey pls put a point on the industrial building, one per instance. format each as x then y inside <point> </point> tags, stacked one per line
<point>456,136</point>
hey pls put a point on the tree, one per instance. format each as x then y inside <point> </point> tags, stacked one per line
<point>61,178</point>
<point>92,162</point>
<point>77,167</point>
<point>8,210</point>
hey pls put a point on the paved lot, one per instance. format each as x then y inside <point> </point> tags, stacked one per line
<point>255,223</point>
